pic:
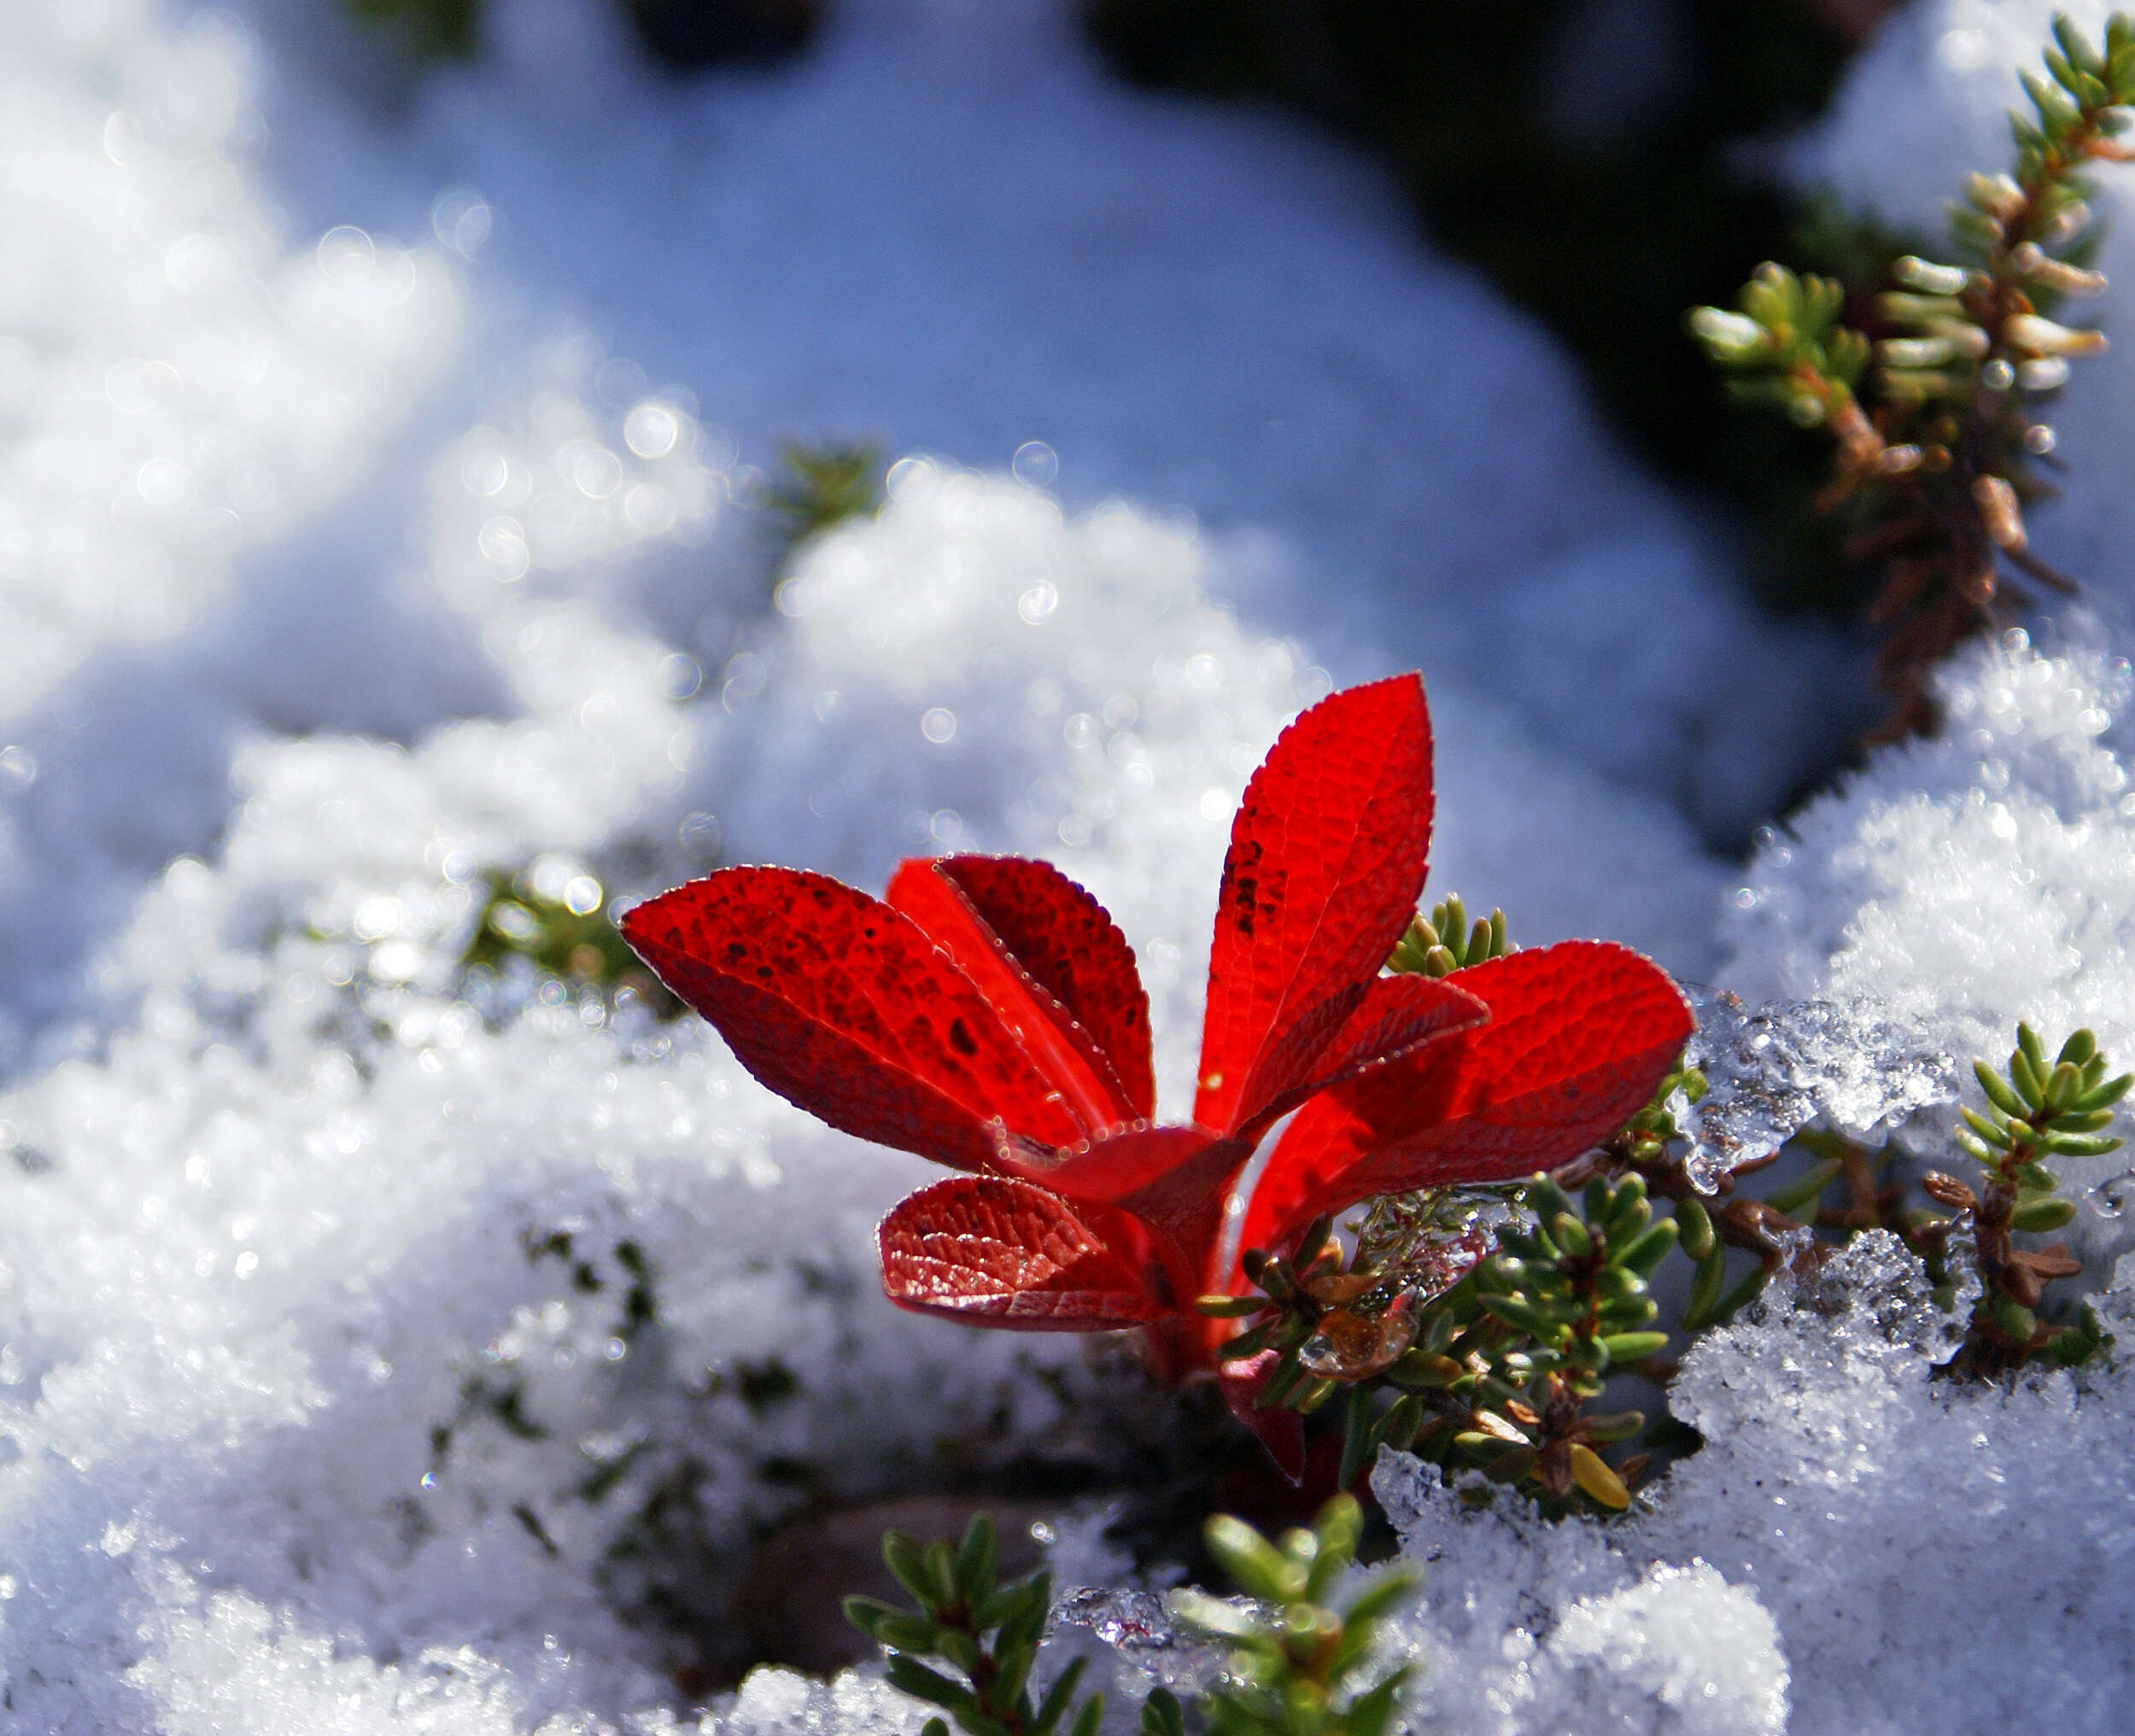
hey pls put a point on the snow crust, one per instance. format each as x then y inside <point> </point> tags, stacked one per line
<point>337,570</point>
<point>1819,1565</point>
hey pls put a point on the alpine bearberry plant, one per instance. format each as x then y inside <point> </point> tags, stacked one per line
<point>986,1632</point>
<point>970,1644</point>
<point>987,1014</point>
<point>1934,397</point>
<point>2036,1110</point>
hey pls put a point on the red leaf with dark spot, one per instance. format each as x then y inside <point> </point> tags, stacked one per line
<point>1043,951</point>
<point>844,1007</point>
<point>1580,1034</point>
<point>1071,946</point>
<point>998,1251</point>
<point>1327,856</point>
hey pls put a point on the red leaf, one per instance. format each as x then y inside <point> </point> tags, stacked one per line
<point>1280,1430</point>
<point>1376,1022</point>
<point>1000,1252</point>
<point>1175,1180</point>
<point>1045,953</point>
<point>1065,939</point>
<point>1327,856</point>
<point>1580,1034</point>
<point>845,1008</point>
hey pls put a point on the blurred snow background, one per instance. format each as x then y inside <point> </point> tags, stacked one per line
<point>367,456</point>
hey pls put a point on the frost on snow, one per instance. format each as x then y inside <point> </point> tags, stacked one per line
<point>1772,1071</point>
<point>377,1356</point>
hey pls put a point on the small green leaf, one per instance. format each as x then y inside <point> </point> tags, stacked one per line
<point>1054,1706</point>
<point>1990,1133</point>
<point>1999,1090</point>
<point>2103,1097</point>
<point>2013,1317</point>
<point>1650,1248</point>
<point>1621,1426</point>
<point>905,1557</point>
<point>2080,1144</point>
<point>2035,1217</point>
<point>890,1627</point>
<point>1704,1288</point>
<point>1536,1322</point>
<point>1695,1225</point>
<point>909,1675</point>
<point>1162,1715</point>
<point>1339,1529</point>
<point>1088,1718</point>
<point>1254,1563</point>
<point>977,1559</point>
<point>1357,1435</point>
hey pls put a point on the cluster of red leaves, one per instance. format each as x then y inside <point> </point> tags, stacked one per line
<point>988,1015</point>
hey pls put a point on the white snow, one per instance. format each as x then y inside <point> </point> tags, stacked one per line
<point>335,570</point>
<point>1845,1506</point>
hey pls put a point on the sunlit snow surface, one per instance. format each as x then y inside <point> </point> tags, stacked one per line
<point>335,570</point>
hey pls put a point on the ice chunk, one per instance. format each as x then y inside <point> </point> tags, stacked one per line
<point>1140,1627</point>
<point>1773,1071</point>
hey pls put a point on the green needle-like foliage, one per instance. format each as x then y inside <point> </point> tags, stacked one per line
<point>1295,1661</point>
<point>1938,442</point>
<point>986,1635</point>
<point>2037,1109</point>
<point>1493,1372</point>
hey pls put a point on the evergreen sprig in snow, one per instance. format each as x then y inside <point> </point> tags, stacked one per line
<point>1934,393</point>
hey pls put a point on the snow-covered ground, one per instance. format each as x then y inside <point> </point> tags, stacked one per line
<point>367,456</point>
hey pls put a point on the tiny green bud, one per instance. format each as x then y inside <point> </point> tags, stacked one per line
<point>1730,337</point>
<point>1927,276</point>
